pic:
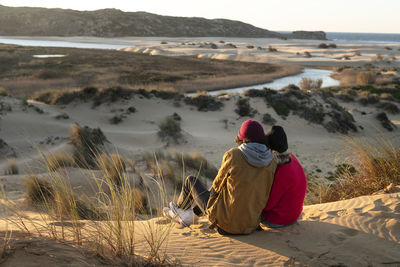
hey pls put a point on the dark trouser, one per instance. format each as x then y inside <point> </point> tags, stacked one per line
<point>194,193</point>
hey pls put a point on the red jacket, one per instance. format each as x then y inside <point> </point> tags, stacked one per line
<point>285,202</point>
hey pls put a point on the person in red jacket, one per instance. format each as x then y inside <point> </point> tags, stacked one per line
<point>285,202</point>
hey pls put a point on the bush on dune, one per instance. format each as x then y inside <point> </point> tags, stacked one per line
<point>366,77</point>
<point>308,83</point>
<point>198,162</point>
<point>243,108</point>
<point>169,128</point>
<point>204,102</point>
<point>389,107</point>
<point>12,167</point>
<point>385,122</point>
<point>38,190</point>
<point>87,143</point>
<point>60,160</point>
<point>374,166</point>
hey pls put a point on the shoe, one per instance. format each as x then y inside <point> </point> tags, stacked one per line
<point>169,214</point>
<point>184,217</point>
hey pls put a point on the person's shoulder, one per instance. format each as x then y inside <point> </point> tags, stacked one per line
<point>233,150</point>
<point>294,159</point>
<point>232,153</point>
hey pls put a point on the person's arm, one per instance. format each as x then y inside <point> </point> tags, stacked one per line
<point>223,172</point>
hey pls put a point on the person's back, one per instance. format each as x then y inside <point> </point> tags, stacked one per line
<point>242,191</point>
<point>285,202</point>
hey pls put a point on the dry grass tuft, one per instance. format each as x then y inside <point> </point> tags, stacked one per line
<point>60,160</point>
<point>87,143</point>
<point>113,167</point>
<point>38,190</point>
<point>308,83</point>
<point>3,91</point>
<point>12,167</point>
<point>110,215</point>
<point>376,165</point>
<point>366,77</point>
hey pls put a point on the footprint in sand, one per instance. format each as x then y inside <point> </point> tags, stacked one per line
<point>341,235</point>
<point>395,207</point>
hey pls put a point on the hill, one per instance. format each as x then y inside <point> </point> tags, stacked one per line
<point>30,21</point>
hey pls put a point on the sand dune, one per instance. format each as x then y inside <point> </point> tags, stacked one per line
<point>288,51</point>
<point>364,231</point>
<point>360,232</point>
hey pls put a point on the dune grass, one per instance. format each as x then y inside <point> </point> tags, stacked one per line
<point>371,167</point>
<point>12,168</point>
<point>87,143</point>
<point>308,83</point>
<point>110,214</point>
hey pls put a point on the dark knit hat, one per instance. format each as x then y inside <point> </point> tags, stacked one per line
<point>251,130</point>
<point>276,139</point>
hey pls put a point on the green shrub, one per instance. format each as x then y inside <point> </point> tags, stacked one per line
<point>170,128</point>
<point>116,119</point>
<point>204,102</point>
<point>385,122</point>
<point>243,108</point>
<point>87,143</point>
<point>389,107</point>
<point>368,99</point>
<point>268,119</point>
<point>62,116</point>
<point>131,109</point>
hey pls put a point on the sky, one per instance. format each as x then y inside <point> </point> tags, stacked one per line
<point>278,15</point>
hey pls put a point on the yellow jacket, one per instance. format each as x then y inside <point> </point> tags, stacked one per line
<point>241,192</point>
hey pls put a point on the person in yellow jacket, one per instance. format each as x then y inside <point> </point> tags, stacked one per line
<point>239,191</point>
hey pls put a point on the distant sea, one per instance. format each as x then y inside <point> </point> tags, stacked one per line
<point>364,37</point>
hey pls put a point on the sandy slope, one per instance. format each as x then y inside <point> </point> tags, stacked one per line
<point>363,231</point>
<point>358,232</point>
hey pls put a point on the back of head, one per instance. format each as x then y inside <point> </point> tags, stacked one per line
<point>251,131</point>
<point>276,139</point>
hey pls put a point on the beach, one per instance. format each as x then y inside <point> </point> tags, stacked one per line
<point>354,232</point>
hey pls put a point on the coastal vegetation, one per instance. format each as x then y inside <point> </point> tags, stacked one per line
<point>371,166</point>
<point>22,75</point>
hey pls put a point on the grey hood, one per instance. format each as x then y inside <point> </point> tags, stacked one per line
<point>257,155</point>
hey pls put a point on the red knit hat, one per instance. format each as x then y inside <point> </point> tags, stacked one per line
<point>251,130</point>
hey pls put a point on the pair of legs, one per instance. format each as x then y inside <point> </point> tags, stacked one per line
<point>194,195</point>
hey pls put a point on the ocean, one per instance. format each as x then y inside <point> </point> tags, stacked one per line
<point>364,37</point>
